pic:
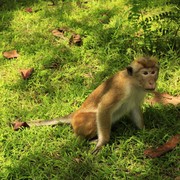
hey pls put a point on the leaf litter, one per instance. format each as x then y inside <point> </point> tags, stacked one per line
<point>75,38</point>
<point>164,98</point>
<point>11,54</point>
<point>166,147</point>
<point>26,73</point>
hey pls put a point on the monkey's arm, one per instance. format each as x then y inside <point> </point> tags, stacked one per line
<point>137,117</point>
<point>103,127</point>
<point>104,119</point>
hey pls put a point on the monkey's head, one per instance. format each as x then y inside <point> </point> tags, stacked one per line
<point>144,72</point>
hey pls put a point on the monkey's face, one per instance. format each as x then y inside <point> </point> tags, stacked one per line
<point>144,72</point>
<point>147,78</point>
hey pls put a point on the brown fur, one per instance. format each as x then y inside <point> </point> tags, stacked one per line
<point>84,124</point>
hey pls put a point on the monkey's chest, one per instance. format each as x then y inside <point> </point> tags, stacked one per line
<point>124,107</point>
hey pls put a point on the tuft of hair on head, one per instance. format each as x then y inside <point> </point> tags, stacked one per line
<point>147,61</point>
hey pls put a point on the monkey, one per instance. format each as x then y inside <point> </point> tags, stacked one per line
<point>119,95</point>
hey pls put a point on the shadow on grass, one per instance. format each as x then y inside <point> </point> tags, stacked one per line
<point>162,123</point>
<point>67,162</point>
<point>48,165</point>
<point>8,6</point>
<point>163,120</point>
<point>11,5</point>
<point>138,4</point>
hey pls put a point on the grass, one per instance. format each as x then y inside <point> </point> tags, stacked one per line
<point>113,33</point>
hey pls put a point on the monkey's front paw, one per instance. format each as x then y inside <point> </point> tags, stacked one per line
<point>100,144</point>
<point>96,150</point>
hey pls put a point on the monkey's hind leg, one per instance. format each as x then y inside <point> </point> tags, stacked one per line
<point>84,124</point>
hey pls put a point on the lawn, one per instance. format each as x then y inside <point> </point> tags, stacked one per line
<point>65,73</point>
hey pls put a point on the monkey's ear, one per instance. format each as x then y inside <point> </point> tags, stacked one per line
<point>129,70</point>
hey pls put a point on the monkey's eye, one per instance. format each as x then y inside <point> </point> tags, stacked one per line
<point>153,72</point>
<point>145,73</point>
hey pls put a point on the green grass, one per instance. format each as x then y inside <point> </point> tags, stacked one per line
<point>109,30</point>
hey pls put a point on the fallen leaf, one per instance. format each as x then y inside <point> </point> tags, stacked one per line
<point>26,73</point>
<point>164,98</point>
<point>177,178</point>
<point>10,54</point>
<point>76,40</point>
<point>29,10</point>
<point>168,146</point>
<point>19,125</point>
<point>60,32</point>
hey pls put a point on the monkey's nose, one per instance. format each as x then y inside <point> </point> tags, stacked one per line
<point>152,86</point>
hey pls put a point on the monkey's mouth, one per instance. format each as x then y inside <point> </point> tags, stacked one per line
<point>150,89</point>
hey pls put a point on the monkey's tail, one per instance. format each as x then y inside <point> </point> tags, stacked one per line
<point>53,122</point>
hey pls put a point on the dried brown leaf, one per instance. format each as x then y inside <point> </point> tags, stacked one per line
<point>19,125</point>
<point>59,32</point>
<point>29,10</point>
<point>164,98</point>
<point>168,146</point>
<point>11,54</point>
<point>26,73</point>
<point>76,40</point>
